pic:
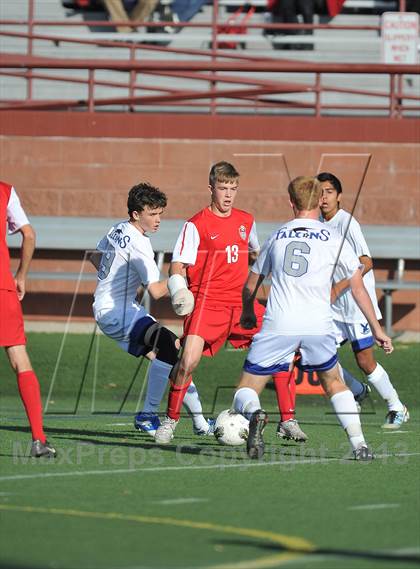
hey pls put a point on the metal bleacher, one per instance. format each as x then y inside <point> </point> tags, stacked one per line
<point>330,46</point>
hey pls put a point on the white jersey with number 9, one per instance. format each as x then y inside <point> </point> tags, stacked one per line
<point>127,262</point>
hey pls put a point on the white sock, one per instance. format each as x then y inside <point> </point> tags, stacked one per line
<point>355,386</point>
<point>156,385</point>
<point>193,406</point>
<point>345,408</point>
<point>381,382</point>
<point>246,401</point>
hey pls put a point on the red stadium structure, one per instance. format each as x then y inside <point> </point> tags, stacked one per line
<point>81,130</point>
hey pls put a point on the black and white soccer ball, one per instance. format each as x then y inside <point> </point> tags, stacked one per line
<point>231,428</point>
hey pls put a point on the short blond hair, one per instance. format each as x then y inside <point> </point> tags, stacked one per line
<point>222,172</point>
<point>305,193</point>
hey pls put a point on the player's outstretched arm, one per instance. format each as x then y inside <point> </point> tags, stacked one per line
<point>362,299</point>
<point>158,289</point>
<point>26,253</point>
<point>249,293</point>
<point>181,297</point>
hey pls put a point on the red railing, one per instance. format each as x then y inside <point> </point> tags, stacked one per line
<point>251,91</point>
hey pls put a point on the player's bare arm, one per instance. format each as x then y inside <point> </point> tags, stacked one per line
<point>253,256</point>
<point>178,268</point>
<point>158,289</point>
<point>26,253</point>
<point>364,302</point>
<point>367,263</point>
<point>249,293</point>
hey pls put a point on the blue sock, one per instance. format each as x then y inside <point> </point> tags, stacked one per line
<point>156,385</point>
<point>355,386</point>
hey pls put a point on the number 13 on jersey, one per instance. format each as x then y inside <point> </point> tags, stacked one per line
<point>232,253</point>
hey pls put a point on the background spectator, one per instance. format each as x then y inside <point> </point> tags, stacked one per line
<point>286,11</point>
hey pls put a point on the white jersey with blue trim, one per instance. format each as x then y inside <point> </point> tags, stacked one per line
<point>301,257</point>
<point>345,308</point>
<point>127,262</point>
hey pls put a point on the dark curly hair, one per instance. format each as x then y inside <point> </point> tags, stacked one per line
<point>144,194</point>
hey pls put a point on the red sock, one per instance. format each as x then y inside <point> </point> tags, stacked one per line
<point>285,386</point>
<point>175,399</point>
<point>31,397</point>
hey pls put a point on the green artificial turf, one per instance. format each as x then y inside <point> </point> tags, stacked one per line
<point>112,498</point>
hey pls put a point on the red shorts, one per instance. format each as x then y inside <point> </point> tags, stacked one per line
<point>219,324</point>
<point>12,331</point>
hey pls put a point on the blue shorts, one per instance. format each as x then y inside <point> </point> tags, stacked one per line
<point>126,327</point>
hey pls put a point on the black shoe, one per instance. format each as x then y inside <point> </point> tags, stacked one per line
<point>255,442</point>
<point>363,453</point>
<point>39,449</point>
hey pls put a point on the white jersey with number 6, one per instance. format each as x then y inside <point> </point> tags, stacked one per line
<point>301,257</point>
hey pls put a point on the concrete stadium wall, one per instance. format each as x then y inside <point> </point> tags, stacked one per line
<point>91,176</point>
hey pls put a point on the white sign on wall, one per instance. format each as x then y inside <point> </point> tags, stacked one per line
<point>400,37</point>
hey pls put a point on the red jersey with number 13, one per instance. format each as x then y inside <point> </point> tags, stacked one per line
<point>216,251</point>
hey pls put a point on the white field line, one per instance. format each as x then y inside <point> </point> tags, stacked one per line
<point>190,467</point>
<point>392,432</point>
<point>407,550</point>
<point>175,501</point>
<point>374,507</point>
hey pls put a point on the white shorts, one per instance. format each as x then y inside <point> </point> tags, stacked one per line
<point>126,327</point>
<point>270,353</point>
<point>360,335</point>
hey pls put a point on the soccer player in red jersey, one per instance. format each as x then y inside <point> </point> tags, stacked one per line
<point>211,258</point>
<point>12,334</point>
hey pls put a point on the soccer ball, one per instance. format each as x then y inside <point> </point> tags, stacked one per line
<point>231,428</point>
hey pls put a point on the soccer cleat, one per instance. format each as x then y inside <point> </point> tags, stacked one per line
<point>255,443</point>
<point>147,423</point>
<point>395,419</point>
<point>209,432</point>
<point>39,449</point>
<point>363,453</point>
<point>165,433</point>
<point>290,430</point>
<point>365,393</point>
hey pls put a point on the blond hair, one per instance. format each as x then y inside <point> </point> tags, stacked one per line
<point>305,193</point>
<point>222,172</point>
